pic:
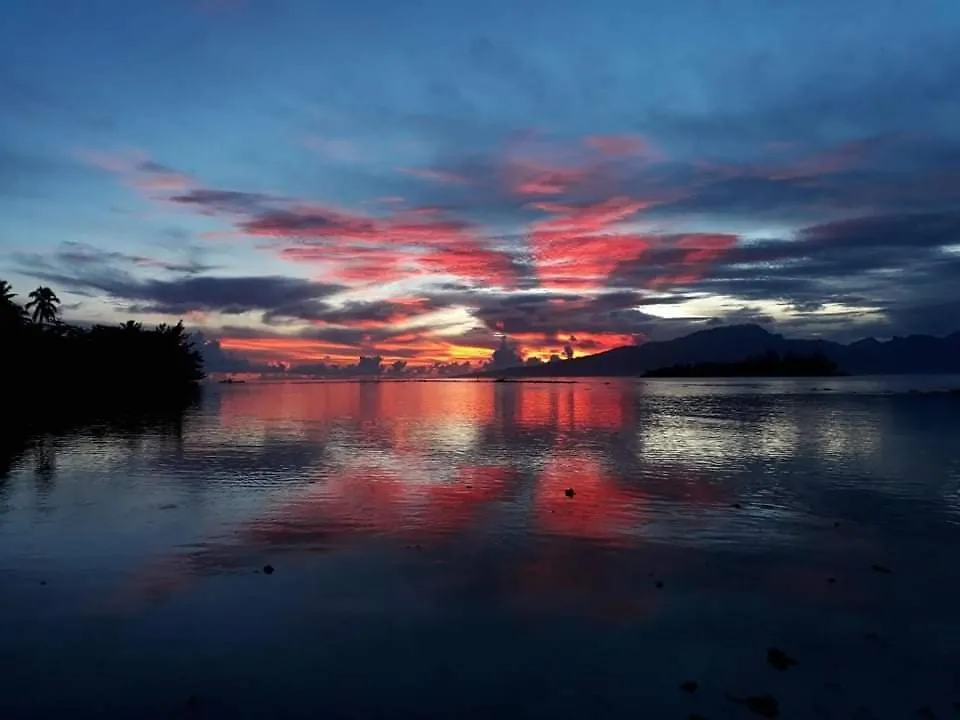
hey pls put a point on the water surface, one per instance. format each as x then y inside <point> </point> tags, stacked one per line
<point>429,562</point>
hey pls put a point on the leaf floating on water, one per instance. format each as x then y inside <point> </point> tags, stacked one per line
<point>690,686</point>
<point>779,659</point>
<point>763,705</point>
<point>881,569</point>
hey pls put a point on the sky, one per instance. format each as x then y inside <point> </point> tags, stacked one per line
<point>330,186</point>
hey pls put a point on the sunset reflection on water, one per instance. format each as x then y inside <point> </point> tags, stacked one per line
<point>421,534</point>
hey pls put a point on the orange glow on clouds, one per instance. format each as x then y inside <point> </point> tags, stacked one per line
<point>577,240</point>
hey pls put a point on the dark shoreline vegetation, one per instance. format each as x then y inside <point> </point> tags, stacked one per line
<point>770,364</point>
<point>57,377</point>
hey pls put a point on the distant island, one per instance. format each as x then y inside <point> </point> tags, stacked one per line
<point>769,364</point>
<point>52,369</point>
<point>912,354</point>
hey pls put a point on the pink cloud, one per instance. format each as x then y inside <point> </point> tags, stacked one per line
<point>138,171</point>
<point>382,249</point>
<point>529,178</point>
<point>440,176</point>
<point>701,251</point>
<point>619,145</point>
<point>578,246</point>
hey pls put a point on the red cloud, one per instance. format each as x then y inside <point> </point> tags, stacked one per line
<point>385,248</point>
<point>618,145</point>
<point>575,247</point>
<point>701,250</point>
<point>527,178</point>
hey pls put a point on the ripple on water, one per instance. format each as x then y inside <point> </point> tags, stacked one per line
<point>419,526</point>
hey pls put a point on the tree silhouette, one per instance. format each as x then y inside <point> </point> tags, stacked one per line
<point>45,305</point>
<point>11,314</point>
<point>95,367</point>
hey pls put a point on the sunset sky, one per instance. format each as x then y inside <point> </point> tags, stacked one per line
<point>310,182</point>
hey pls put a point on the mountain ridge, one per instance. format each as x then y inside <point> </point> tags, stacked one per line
<point>911,354</point>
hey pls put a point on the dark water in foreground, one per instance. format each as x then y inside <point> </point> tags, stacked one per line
<point>429,564</point>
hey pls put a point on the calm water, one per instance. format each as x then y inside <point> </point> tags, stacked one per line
<point>428,562</point>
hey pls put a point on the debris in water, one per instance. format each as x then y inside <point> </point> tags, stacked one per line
<point>268,569</point>
<point>926,713</point>
<point>569,492</point>
<point>779,659</point>
<point>763,705</point>
<point>695,716</point>
<point>690,686</point>
<point>881,569</point>
<point>831,580</point>
<point>659,584</point>
<point>738,506</point>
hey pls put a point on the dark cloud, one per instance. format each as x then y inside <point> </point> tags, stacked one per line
<point>218,360</point>
<point>213,201</point>
<point>554,315</point>
<point>230,295</point>
<point>83,259</point>
<point>900,265</point>
<point>84,269</point>
<point>506,356</point>
<point>277,295</point>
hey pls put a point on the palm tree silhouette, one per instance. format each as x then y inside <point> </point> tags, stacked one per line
<point>45,305</point>
<point>10,313</point>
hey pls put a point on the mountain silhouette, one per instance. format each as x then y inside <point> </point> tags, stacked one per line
<point>731,343</point>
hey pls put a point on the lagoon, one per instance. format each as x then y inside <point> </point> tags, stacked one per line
<point>425,559</point>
